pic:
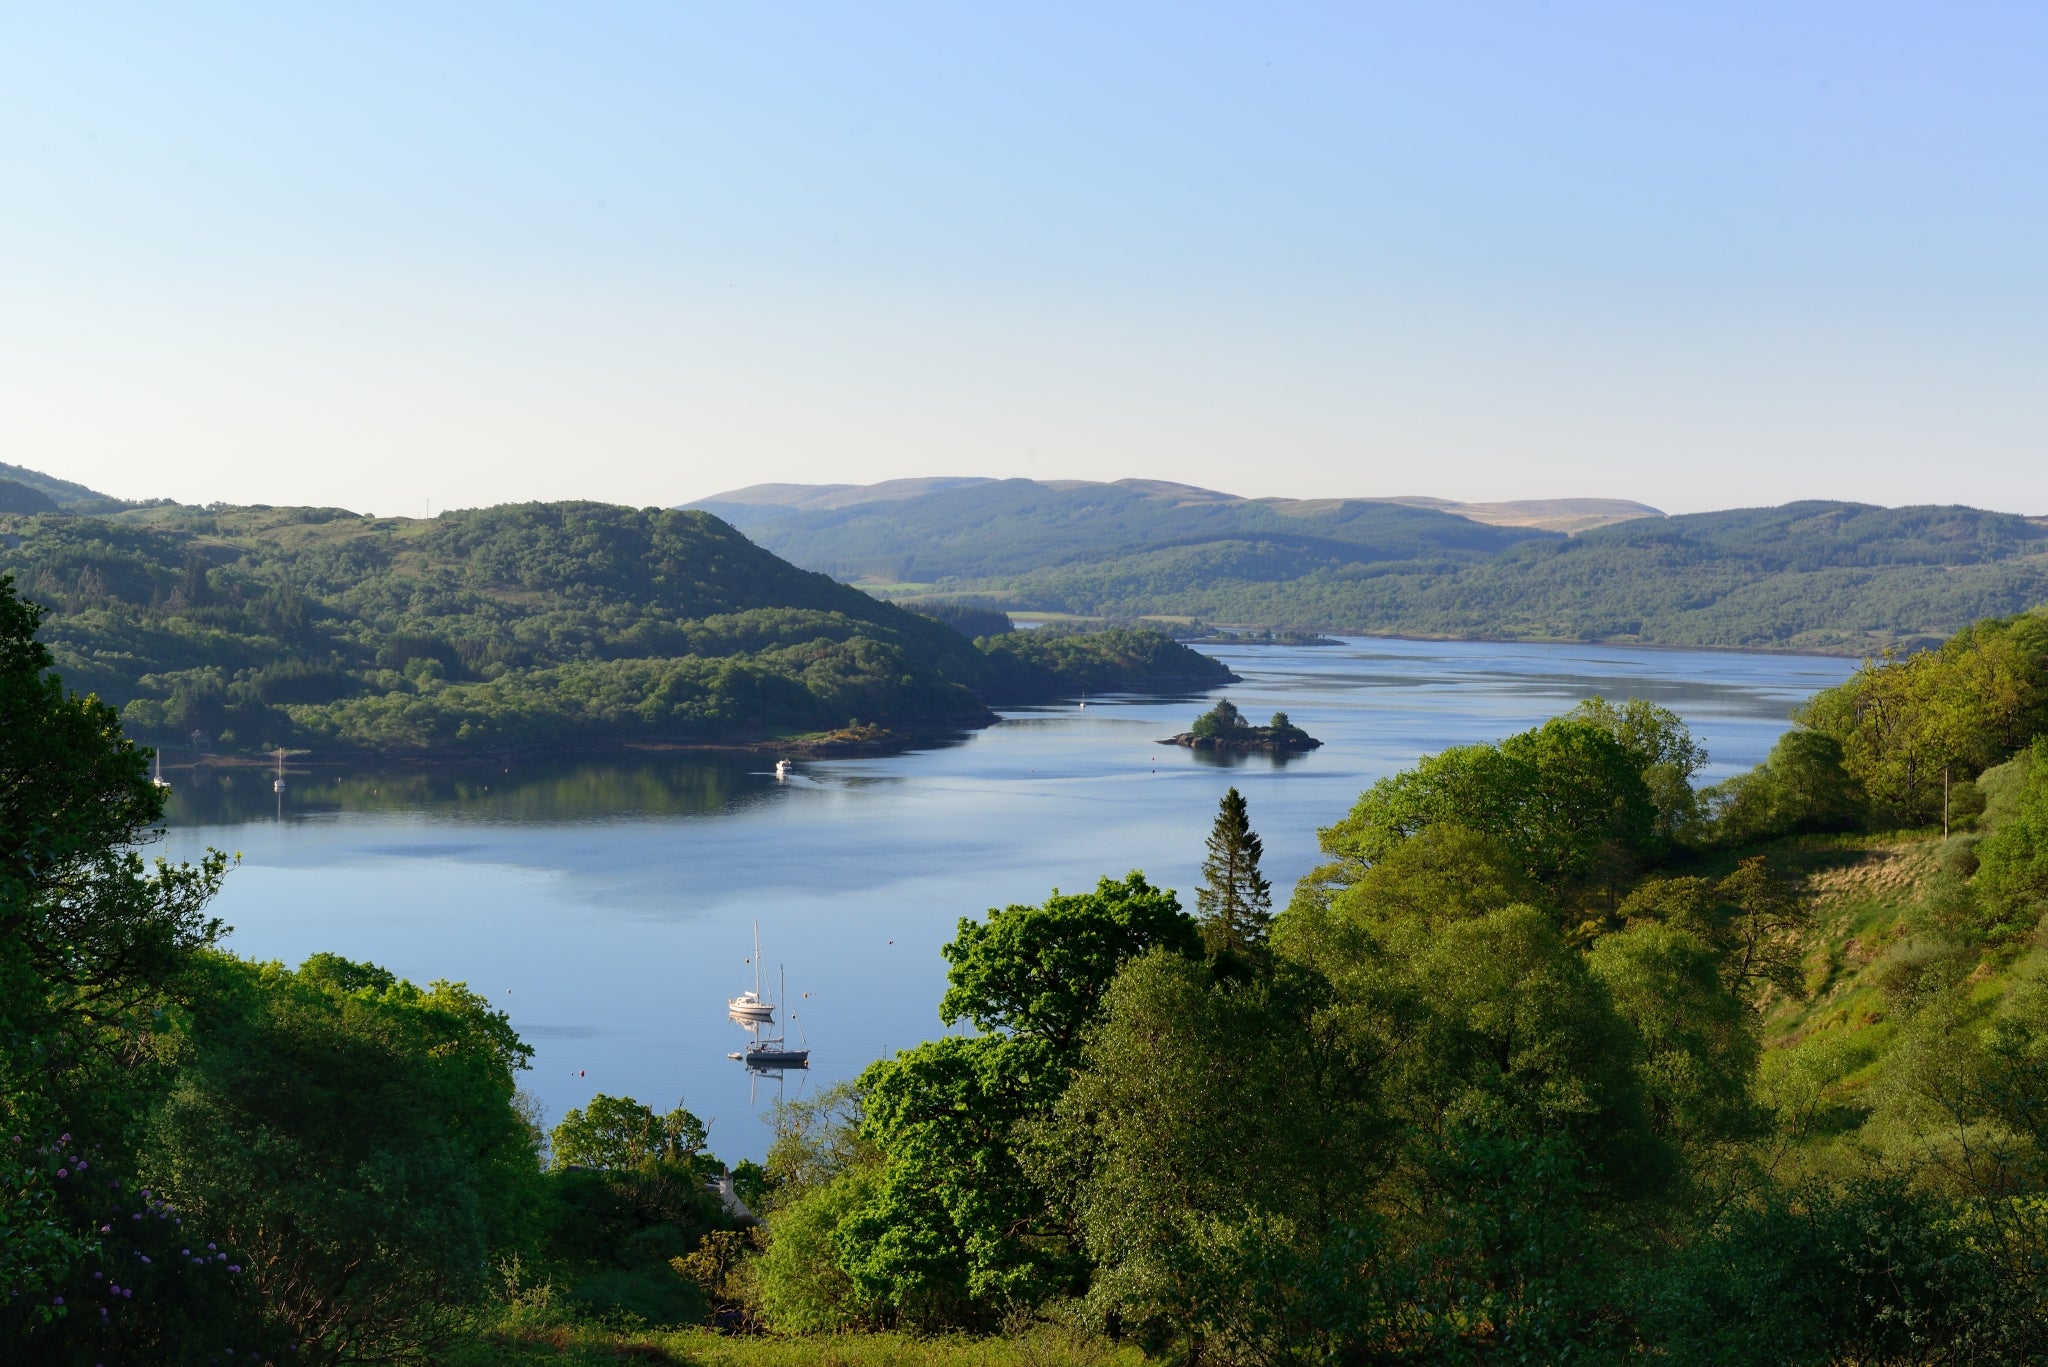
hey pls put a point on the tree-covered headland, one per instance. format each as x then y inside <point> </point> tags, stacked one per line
<point>1555,1057</point>
<point>530,626</point>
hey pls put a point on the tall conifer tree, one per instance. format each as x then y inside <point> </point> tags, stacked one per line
<point>1235,904</point>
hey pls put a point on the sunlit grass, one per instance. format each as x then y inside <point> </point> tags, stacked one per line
<point>514,1342</point>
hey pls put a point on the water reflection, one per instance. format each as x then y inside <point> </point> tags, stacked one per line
<point>1239,759</point>
<point>539,792</point>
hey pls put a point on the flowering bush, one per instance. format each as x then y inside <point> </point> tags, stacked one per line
<point>127,1276</point>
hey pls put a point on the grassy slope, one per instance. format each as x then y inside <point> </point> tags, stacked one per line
<point>520,1339</point>
<point>1826,1051</point>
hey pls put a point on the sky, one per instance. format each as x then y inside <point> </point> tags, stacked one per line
<point>401,257</point>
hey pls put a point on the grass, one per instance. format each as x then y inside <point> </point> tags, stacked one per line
<point>521,1339</point>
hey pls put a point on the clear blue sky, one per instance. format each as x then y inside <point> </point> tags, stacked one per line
<point>369,255</point>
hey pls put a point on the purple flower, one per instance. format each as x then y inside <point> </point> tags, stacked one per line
<point>63,1172</point>
<point>106,1229</point>
<point>64,1139</point>
<point>99,1276</point>
<point>184,1252</point>
<point>212,1245</point>
<point>56,1300</point>
<point>144,1257</point>
<point>237,1267</point>
<point>145,1193</point>
<point>128,1292</point>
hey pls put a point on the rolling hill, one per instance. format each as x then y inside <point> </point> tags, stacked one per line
<point>533,625</point>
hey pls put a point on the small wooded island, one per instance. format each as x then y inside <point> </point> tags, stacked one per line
<point>1223,727</point>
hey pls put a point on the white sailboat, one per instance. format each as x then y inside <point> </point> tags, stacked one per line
<point>751,1008</point>
<point>158,780</point>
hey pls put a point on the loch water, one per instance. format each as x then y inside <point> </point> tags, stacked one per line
<point>608,906</point>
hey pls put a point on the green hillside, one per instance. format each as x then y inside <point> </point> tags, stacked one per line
<point>528,625</point>
<point>46,491</point>
<point>1828,577</point>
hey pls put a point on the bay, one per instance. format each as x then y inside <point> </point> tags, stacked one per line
<point>607,906</point>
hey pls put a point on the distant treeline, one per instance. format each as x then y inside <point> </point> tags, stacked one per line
<point>527,625</point>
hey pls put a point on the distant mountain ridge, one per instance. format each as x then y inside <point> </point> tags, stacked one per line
<point>1822,576</point>
<point>921,531</point>
<point>1567,515</point>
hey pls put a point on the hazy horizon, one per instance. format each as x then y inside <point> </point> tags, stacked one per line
<point>380,256</point>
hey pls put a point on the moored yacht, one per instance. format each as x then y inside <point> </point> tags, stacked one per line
<point>752,1007</point>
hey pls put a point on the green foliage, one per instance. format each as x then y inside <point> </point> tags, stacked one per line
<point>1221,720</point>
<point>1659,740</point>
<point>619,1132</point>
<point>1802,787</point>
<point>955,1231</point>
<point>1047,662</point>
<point>1444,872</point>
<point>1211,1143</point>
<point>1862,1271</point>
<point>1039,972</point>
<point>1693,1044</point>
<point>1566,798</point>
<point>950,1228</point>
<point>333,1110</point>
<point>1910,727</point>
<point>1235,903</point>
<point>2012,876</point>
<point>804,1289</point>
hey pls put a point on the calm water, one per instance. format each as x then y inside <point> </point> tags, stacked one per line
<point>608,907</point>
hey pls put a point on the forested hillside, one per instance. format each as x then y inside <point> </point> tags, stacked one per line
<point>1827,577</point>
<point>537,624</point>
